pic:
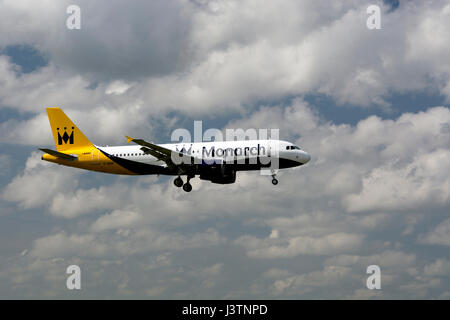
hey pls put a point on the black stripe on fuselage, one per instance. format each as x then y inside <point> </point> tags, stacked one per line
<point>247,166</point>
<point>144,168</point>
<point>137,167</point>
<point>287,163</point>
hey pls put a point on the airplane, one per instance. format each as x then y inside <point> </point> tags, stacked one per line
<point>214,161</point>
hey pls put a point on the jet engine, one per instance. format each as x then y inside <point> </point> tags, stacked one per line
<point>220,173</point>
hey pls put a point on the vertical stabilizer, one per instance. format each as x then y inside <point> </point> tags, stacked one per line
<point>65,133</point>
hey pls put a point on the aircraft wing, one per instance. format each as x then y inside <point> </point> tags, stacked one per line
<point>162,153</point>
<point>59,154</point>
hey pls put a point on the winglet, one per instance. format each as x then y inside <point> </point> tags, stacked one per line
<point>129,139</point>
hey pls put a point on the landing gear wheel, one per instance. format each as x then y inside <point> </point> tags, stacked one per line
<point>178,182</point>
<point>274,179</point>
<point>187,187</point>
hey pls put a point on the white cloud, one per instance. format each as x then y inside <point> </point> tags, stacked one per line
<point>63,245</point>
<point>304,283</point>
<point>424,181</point>
<point>143,41</point>
<point>79,202</point>
<point>39,183</point>
<point>115,220</point>
<point>386,259</point>
<point>118,87</point>
<point>294,246</point>
<point>440,235</point>
<point>441,267</point>
<point>221,57</point>
<point>240,44</point>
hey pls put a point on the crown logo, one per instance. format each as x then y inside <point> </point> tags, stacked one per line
<point>65,137</point>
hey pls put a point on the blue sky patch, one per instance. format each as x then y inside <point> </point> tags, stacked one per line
<point>27,57</point>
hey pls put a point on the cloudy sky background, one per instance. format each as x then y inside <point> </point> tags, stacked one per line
<point>371,106</point>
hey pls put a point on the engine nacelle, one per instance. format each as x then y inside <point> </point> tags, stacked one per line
<point>220,173</point>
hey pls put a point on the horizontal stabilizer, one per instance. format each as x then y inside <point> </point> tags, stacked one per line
<point>59,154</point>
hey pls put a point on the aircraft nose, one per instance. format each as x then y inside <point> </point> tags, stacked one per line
<point>304,157</point>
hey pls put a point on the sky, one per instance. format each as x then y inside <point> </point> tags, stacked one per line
<point>371,106</point>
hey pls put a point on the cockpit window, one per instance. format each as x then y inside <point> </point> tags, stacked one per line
<point>296,148</point>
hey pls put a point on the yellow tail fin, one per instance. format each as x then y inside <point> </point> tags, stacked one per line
<point>66,134</point>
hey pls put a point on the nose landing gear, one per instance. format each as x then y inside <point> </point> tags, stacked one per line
<point>274,180</point>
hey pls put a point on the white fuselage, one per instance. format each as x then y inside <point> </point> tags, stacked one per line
<point>260,151</point>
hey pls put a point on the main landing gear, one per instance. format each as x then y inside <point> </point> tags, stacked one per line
<point>178,182</point>
<point>187,187</point>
